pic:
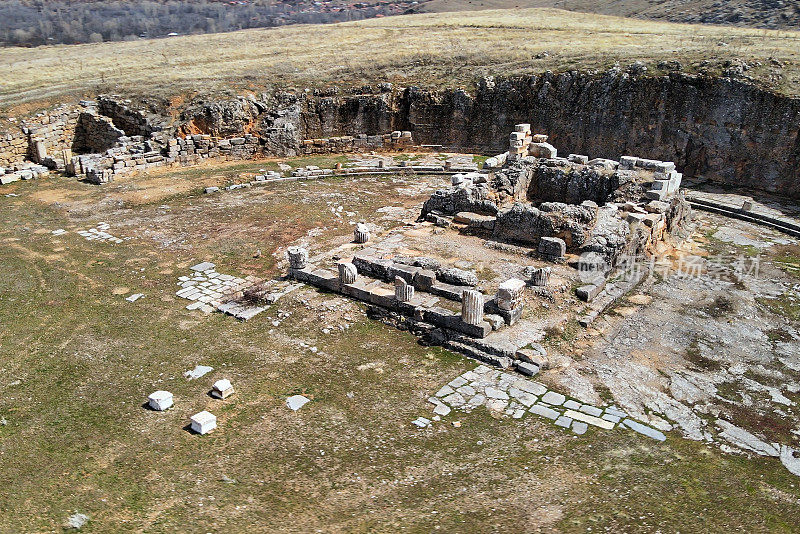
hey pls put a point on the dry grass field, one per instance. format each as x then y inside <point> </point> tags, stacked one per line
<point>441,49</point>
<point>750,13</point>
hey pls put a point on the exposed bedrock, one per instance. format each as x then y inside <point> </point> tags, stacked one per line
<point>527,224</point>
<point>719,128</point>
<point>572,184</point>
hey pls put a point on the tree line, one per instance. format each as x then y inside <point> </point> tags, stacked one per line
<point>39,22</point>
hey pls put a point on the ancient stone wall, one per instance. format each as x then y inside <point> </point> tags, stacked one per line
<point>13,148</point>
<point>94,134</point>
<point>54,132</point>
<point>131,121</point>
<point>396,140</point>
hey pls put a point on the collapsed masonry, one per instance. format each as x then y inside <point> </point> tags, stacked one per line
<point>99,140</point>
<point>572,210</point>
<point>418,294</point>
<point>598,210</point>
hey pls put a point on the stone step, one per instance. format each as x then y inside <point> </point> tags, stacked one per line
<point>476,354</point>
<point>499,349</point>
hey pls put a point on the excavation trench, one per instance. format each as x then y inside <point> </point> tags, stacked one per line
<point>718,129</point>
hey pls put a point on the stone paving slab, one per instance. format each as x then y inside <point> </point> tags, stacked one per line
<point>98,233</point>
<point>596,421</point>
<point>644,429</point>
<point>511,395</point>
<point>207,289</point>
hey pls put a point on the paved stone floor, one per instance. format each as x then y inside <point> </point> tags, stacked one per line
<point>205,287</point>
<point>514,396</point>
<point>99,233</point>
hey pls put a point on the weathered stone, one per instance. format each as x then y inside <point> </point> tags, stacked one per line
<point>536,355</point>
<point>591,410</point>
<point>494,393</point>
<point>295,402</point>
<point>298,258</point>
<point>552,247</point>
<point>424,279</point>
<point>526,368</point>
<point>403,291</point>
<point>542,150</point>
<point>475,220</point>
<point>509,294</point>
<point>203,422</point>
<point>644,429</point>
<point>579,427</point>
<point>589,419</point>
<point>160,400</point>
<point>551,397</point>
<point>204,266</point>
<point>421,422</point>
<point>544,411</point>
<point>198,371</point>
<point>741,438</point>
<point>534,388</point>
<point>472,307</point>
<point>540,277</point>
<point>588,292</point>
<point>496,321</point>
<point>563,422</point>
<point>361,233</point>
<point>451,275</point>
<point>222,389</point>
<point>347,273</point>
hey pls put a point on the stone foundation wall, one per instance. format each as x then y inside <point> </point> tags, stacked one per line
<point>131,121</point>
<point>55,129</point>
<point>94,133</point>
<point>131,154</point>
<point>394,141</point>
<point>13,148</point>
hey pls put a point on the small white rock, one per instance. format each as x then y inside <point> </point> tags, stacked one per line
<point>295,402</point>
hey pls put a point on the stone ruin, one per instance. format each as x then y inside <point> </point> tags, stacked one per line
<point>104,138</point>
<point>599,209</point>
<point>584,213</point>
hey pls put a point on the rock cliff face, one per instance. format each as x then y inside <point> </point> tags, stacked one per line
<point>717,128</point>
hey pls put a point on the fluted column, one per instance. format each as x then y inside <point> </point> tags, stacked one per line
<point>472,307</point>
<point>540,277</point>
<point>403,291</point>
<point>361,233</point>
<point>347,273</point>
<point>298,258</point>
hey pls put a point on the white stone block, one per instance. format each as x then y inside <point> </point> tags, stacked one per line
<point>160,400</point>
<point>222,389</point>
<point>204,422</point>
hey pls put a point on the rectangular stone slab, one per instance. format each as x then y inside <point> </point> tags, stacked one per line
<point>448,291</point>
<point>590,419</point>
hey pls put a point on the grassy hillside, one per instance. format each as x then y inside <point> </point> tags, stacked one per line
<point>771,14</point>
<point>430,49</point>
